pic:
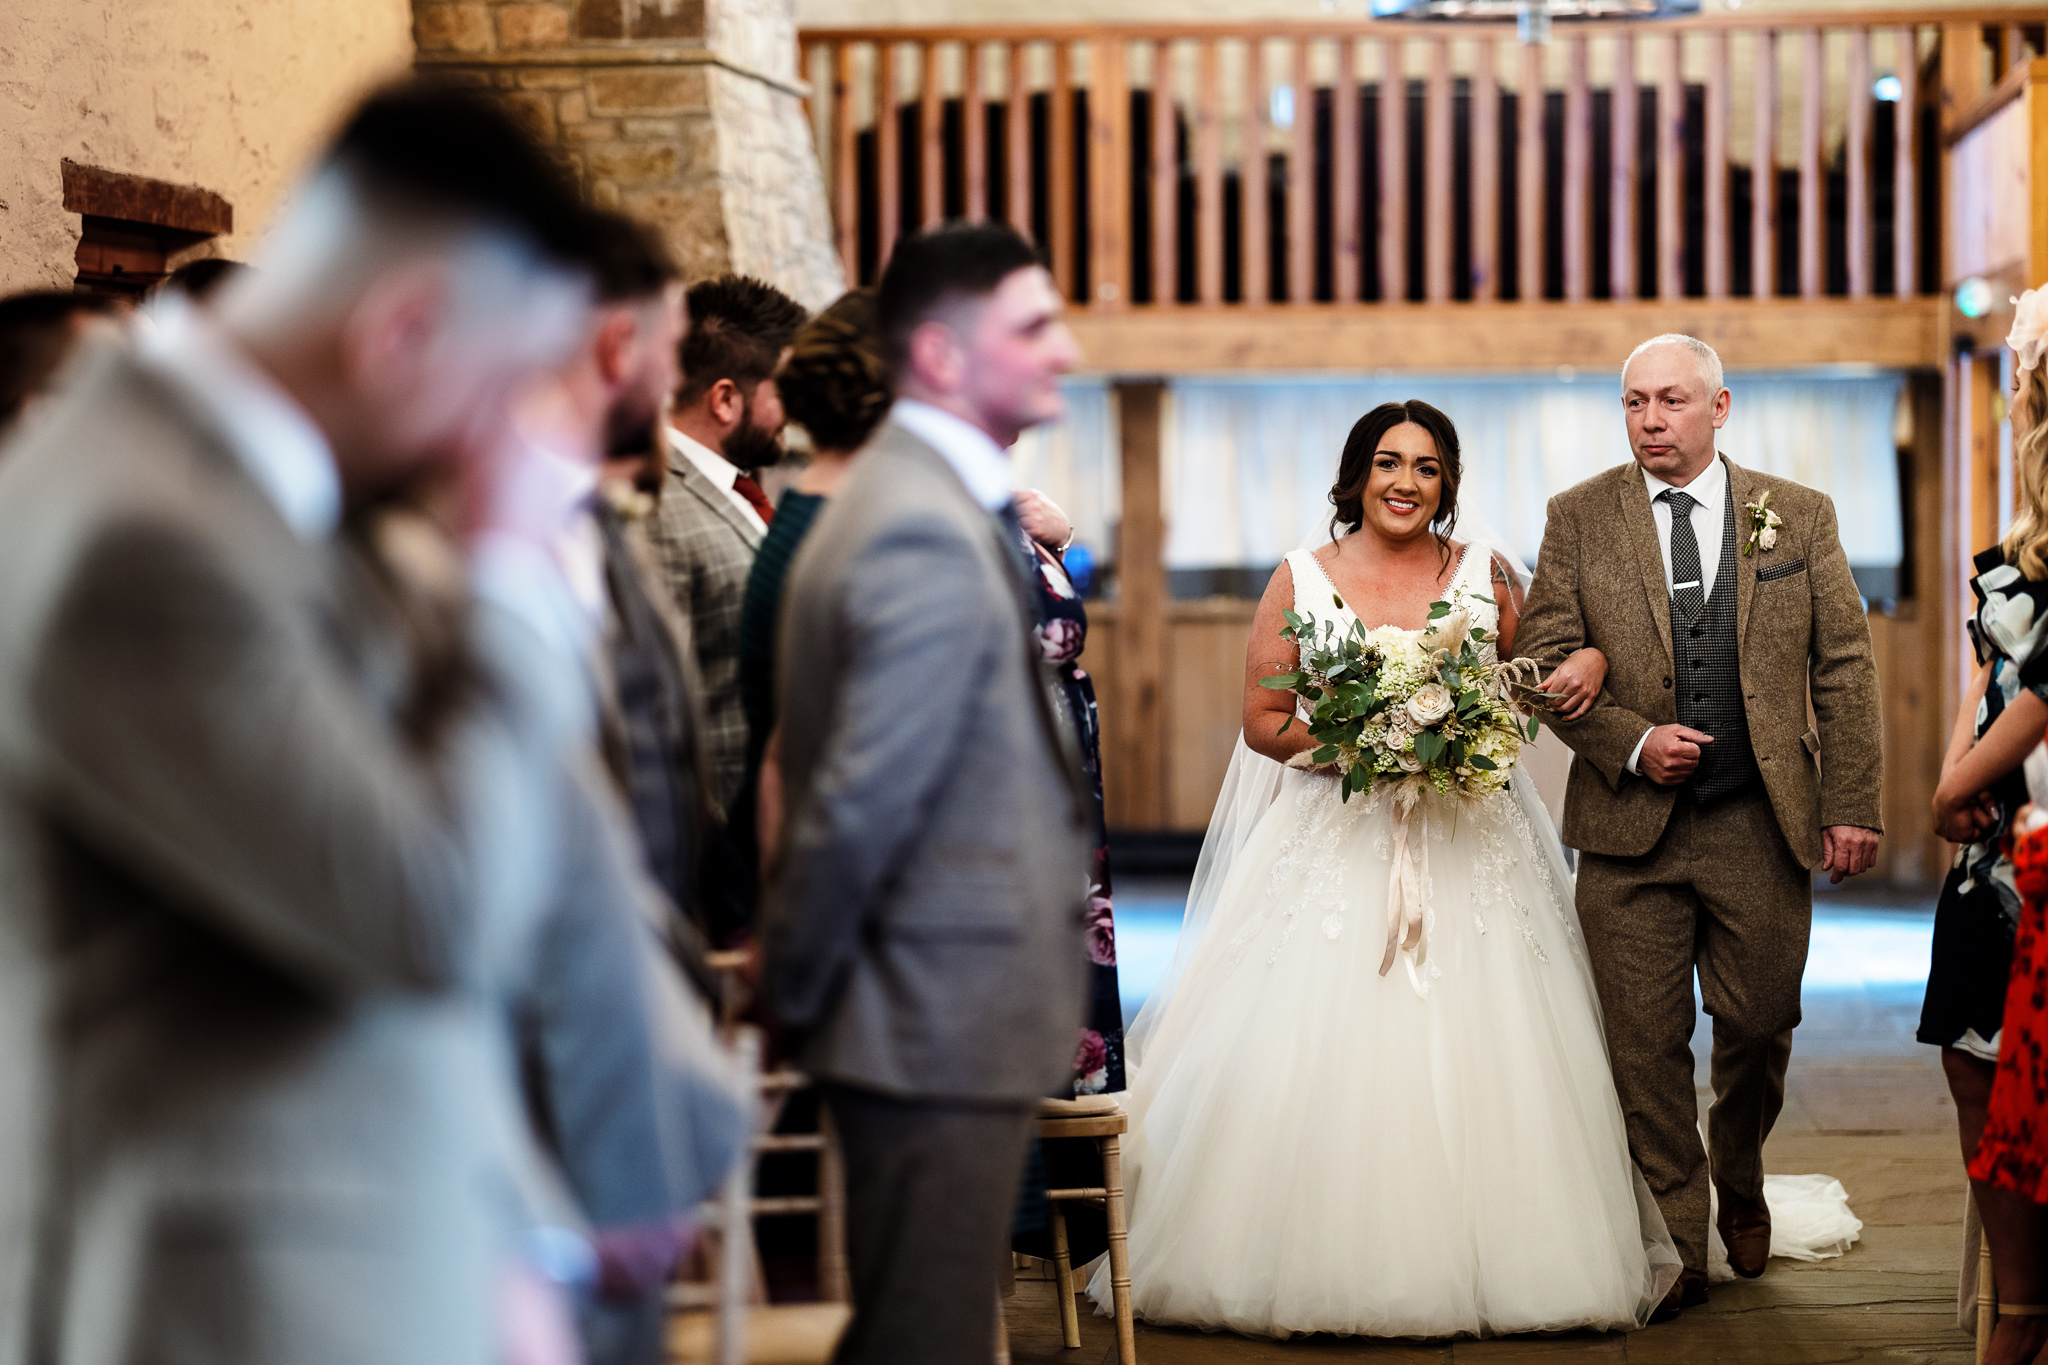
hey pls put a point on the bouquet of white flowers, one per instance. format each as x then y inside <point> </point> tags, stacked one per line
<point>1441,707</point>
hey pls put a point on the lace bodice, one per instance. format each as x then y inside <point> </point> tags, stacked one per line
<point>1467,591</point>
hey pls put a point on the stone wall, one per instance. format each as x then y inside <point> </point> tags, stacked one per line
<point>687,113</point>
<point>226,95</point>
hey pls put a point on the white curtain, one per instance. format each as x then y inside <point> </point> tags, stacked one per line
<point>1249,462</point>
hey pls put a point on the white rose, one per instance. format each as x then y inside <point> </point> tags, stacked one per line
<point>1429,704</point>
<point>1407,762</point>
<point>1767,538</point>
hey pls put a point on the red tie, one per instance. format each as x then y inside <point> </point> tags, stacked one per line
<point>744,485</point>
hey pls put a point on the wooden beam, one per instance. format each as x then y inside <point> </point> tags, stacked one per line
<point>888,157</point>
<point>1763,171</point>
<point>1393,187</point>
<point>1624,164</point>
<point>1422,337</point>
<point>1963,86</point>
<point>1345,186</point>
<point>1856,152</point>
<point>1255,257</point>
<point>1530,92</point>
<point>931,143</point>
<point>1578,174</point>
<point>1017,142</point>
<point>1140,730</point>
<point>974,133</point>
<point>1436,175</point>
<point>1905,174</point>
<point>1109,174</point>
<point>1716,165</point>
<point>1485,173</point>
<point>845,165</point>
<point>1060,182</point>
<point>1812,187</point>
<point>1301,180</point>
<point>1671,172</point>
<point>1165,179</point>
<point>1208,116</point>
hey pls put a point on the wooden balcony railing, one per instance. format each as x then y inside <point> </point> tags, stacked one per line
<point>1715,158</point>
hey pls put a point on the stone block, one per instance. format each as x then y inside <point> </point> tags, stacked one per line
<point>572,107</point>
<point>531,26</point>
<point>631,162</point>
<point>650,129</point>
<point>534,109</point>
<point>669,20</point>
<point>452,28</point>
<point>592,130</point>
<point>600,18</point>
<point>618,92</point>
<point>550,78</point>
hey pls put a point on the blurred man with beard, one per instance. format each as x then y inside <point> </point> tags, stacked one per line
<point>726,428</point>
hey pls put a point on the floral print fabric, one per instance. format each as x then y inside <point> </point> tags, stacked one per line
<point>2013,1153</point>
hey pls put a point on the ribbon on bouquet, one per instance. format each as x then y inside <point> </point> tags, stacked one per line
<point>1407,928</point>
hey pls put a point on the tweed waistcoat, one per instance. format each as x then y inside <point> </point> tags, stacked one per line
<point>1709,681</point>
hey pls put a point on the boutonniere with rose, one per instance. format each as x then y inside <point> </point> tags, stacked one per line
<point>1763,526</point>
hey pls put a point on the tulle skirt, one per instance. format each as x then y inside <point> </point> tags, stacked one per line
<point>1317,1147</point>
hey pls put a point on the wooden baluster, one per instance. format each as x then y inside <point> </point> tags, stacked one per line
<point>974,133</point>
<point>1671,173</point>
<point>1812,207</point>
<point>931,142</point>
<point>1529,176</point>
<point>1347,248</point>
<point>1717,164</point>
<point>845,164</point>
<point>1857,153</point>
<point>1060,183</point>
<point>1301,180</point>
<point>1256,261</point>
<point>1208,174</point>
<point>1905,174</point>
<point>1165,179</point>
<point>1763,170</point>
<point>1393,173</point>
<point>1109,173</point>
<point>1485,174</point>
<point>1017,142</point>
<point>1578,174</point>
<point>888,156</point>
<point>1623,166</point>
<point>1436,174</point>
<point>2014,40</point>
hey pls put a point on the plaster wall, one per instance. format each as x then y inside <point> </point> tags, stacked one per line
<point>228,95</point>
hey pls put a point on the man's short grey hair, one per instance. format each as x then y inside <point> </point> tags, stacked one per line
<point>1709,362</point>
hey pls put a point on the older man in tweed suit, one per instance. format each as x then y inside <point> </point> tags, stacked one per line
<point>725,430</point>
<point>1700,797</point>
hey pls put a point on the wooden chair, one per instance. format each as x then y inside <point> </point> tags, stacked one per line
<point>724,1321</point>
<point>1101,1118</point>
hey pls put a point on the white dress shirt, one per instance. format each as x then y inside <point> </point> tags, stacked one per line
<point>721,471</point>
<point>270,435</point>
<point>1709,492</point>
<point>981,464</point>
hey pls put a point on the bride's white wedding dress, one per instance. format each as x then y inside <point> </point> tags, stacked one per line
<point>1316,1147</point>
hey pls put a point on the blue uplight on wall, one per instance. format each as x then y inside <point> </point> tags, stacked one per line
<point>1888,90</point>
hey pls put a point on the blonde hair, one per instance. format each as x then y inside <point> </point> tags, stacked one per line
<point>2026,544</point>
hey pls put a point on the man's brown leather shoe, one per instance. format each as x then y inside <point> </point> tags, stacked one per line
<point>1745,1230</point>
<point>1689,1292</point>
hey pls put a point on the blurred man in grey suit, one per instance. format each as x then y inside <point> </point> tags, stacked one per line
<point>255,1103</point>
<point>921,923</point>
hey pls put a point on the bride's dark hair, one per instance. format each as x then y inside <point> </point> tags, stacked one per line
<point>1347,495</point>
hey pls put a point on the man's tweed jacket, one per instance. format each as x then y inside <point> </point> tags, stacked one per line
<point>705,549</point>
<point>1799,624</point>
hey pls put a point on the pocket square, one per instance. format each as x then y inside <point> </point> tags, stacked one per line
<point>1776,571</point>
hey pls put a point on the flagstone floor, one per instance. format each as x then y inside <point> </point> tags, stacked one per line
<point>1865,1103</point>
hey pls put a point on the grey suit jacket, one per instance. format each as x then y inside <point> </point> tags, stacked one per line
<point>922,925</point>
<point>705,550</point>
<point>253,1087</point>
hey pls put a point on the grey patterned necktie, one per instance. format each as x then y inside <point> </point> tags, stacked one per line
<point>1687,587</point>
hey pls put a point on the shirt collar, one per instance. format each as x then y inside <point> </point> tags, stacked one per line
<point>979,461</point>
<point>270,435</point>
<point>1709,490</point>
<point>709,462</point>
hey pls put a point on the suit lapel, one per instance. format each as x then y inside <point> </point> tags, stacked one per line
<point>711,495</point>
<point>1741,492</point>
<point>1642,532</point>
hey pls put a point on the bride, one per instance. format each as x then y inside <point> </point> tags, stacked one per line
<point>1320,1144</point>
